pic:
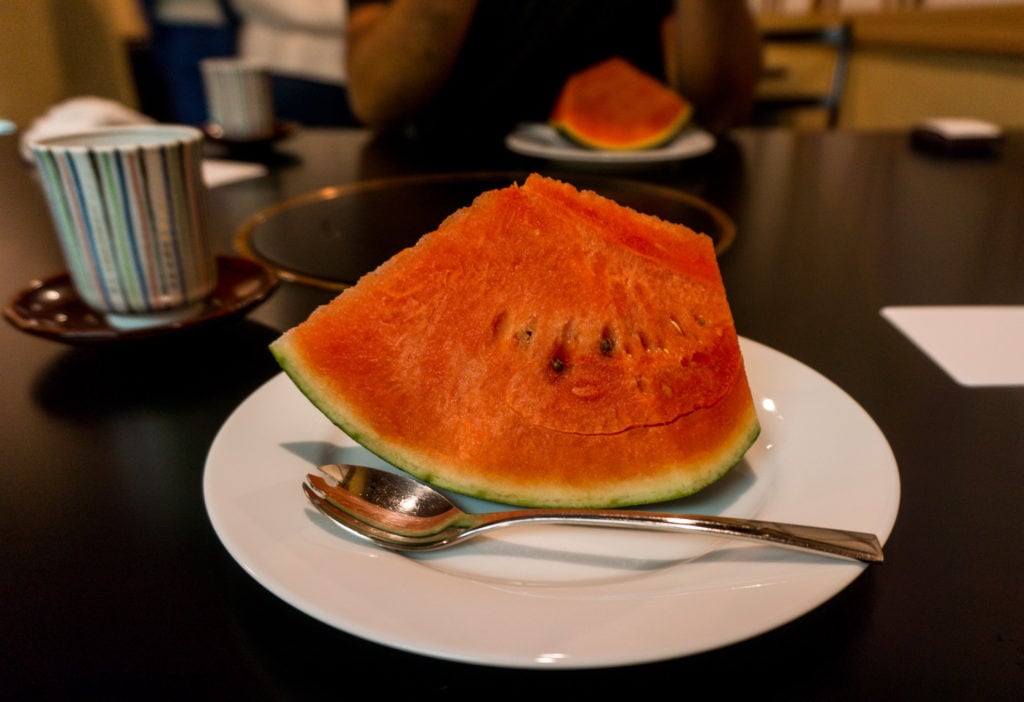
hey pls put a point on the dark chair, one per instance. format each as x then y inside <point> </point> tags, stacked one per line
<point>772,102</point>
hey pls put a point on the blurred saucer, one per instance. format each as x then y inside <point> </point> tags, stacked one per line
<point>544,141</point>
<point>282,130</point>
<point>51,308</point>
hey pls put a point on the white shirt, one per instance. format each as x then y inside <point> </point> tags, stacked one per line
<point>297,38</point>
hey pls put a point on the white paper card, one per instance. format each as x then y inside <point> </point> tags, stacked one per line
<point>221,172</point>
<point>975,345</point>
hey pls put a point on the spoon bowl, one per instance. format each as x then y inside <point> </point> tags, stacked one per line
<point>398,512</point>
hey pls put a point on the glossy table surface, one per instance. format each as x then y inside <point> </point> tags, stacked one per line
<point>114,584</point>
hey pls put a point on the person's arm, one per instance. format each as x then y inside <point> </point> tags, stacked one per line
<point>400,54</point>
<point>713,56</point>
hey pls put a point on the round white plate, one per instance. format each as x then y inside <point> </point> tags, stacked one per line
<point>544,141</point>
<point>562,597</point>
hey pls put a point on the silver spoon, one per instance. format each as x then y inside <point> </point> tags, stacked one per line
<point>398,512</point>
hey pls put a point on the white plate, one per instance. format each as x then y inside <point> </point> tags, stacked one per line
<point>544,141</point>
<point>562,597</point>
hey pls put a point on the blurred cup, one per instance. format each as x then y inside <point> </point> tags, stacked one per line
<point>129,207</point>
<point>238,98</point>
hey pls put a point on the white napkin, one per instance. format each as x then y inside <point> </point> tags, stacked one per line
<point>218,171</point>
<point>78,114</point>
<point>975,345</point>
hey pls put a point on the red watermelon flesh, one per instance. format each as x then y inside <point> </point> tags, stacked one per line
<point>544,346</point>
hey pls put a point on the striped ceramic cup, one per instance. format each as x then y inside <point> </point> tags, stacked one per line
<point>239,99</point>
<point>129,206</point>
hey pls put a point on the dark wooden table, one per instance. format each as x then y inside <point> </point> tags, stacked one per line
<point>113,583</point>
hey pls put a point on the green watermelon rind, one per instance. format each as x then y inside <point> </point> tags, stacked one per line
<point>339,414</point>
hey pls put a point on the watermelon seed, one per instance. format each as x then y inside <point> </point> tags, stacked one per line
<point>557,365</point>
<point>498,324</point>
<point>607,345</point>
<point>675,325</point>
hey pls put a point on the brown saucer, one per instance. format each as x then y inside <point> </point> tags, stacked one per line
<point>282,130</point>
<point>52,309</point>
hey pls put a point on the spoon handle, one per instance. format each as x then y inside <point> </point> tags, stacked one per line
<point>838,542</point>
<point>401,513</point>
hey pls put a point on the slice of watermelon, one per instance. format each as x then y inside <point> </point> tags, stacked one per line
<point>613,105</point>
<point>544,346</point>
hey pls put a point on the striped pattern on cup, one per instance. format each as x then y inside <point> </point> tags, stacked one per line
<point>129,206</point>
<point>239,98</point>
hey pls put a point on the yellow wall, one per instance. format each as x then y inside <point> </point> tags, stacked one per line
<point>51,50</point>
<point>890,87</point>
<point>907,66</point>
